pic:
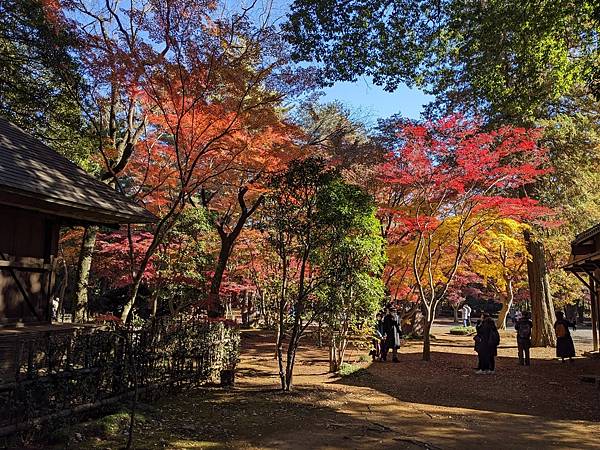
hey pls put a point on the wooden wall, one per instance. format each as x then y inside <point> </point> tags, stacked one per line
<point>28,244</point>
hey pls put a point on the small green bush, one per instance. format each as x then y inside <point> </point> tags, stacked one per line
<point>111,425</point>
<point>416,337</point>
<point>348,369</point>
<point>364,358</point>
<point>114,424</point>
<point>463,331</point>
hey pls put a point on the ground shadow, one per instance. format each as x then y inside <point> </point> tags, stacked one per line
<point>547,388</point>
<point>410,405</point>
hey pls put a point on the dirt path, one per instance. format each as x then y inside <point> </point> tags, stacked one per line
<point>413,404</point>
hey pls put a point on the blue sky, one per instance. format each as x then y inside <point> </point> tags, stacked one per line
<point>376,103</point>
<point>362,95</point>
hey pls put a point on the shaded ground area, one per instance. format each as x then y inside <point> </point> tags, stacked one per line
<point>413,404</point>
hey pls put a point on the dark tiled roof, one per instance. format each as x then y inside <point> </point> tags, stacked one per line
<point>39,178</point>
<point>587,234</point>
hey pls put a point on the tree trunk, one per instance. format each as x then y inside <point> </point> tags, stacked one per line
<point>244,309</point>
<point>428,314</point>
<point>426,341</point>
<point>337,351</point>
<point>291,352</point>
<point>455,309</point>
<point>279,355</point>
<point>320,334</point>
<point>215,305</point>
<point>507,301</point>
<point>501,322</point>
<point>542,308</point>
<point>333,367</point>
<point>131,300</point>
<point>580,311</point>
<point>154,303</point>
<point>342,350</point>
<point>83,273</point>
<point>289,371</point>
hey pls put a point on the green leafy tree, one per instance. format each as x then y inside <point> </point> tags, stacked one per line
<point>352,264</point>
<point>506,61</point>
<point>312,219</point>
<point>39,79</point>
<point>503,59</point>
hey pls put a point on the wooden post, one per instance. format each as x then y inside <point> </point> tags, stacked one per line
<point>597,295</point>
<point>594,307</point>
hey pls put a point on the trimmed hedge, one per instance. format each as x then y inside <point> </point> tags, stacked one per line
<point>463,331</point>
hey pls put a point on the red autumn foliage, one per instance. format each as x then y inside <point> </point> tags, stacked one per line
<point>445,184</point>
<point>114,254</point>
<point>452,166</point>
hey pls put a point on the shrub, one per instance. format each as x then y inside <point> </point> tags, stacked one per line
<point>348,369</point>
<point>364,358</point>
<point>463,331</point>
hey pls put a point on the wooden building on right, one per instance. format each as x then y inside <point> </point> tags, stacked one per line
<point>584,263</point>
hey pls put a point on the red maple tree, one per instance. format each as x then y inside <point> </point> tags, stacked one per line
<point>450,181</point>
<point>185,96</point>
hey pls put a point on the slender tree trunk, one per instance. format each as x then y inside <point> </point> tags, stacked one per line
<point>542,308</point>
<point>426,341</point>
<point>279,354</point>
<point>580,311</point>
<point>132,296</point>
<point>320,333</point>
<point>501,321</point>
<point>216,307</point>
<point>428,314</point>
<point>291,352</point>
<point>289,371</point>
<point>337,351</point>
<point>154,303</point>
<point>83,274</point>
<point>245,309</point>
<point>507,301</point>
<point>342,345</point>
<point>455,309</point>
<point>333,367</point>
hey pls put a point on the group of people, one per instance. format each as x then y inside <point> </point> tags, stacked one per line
<point>487,341</point>
<point>387,335</point>
<point>487,338</point>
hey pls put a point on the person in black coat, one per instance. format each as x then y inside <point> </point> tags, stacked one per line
<point>391,331</point>
<point>524,326</point>
<point>376,353</point>
<point>564,342</point>
<point>487,340</point>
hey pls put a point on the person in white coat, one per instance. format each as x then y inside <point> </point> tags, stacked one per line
<point>466,315</point>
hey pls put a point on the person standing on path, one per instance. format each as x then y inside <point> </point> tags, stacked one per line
<point>466,315</point>
<point>391,330</point>
<point>523,327</point>
<point>378,343</point>
<point>486,345</point>
<point>564,342</point>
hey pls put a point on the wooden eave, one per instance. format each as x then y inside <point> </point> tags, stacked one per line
<point>34,177</point>
<point>586,236</point>
<point>71,213</point>
<point>584,264</point>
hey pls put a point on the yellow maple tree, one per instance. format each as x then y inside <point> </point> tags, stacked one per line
<point>500,258</point>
